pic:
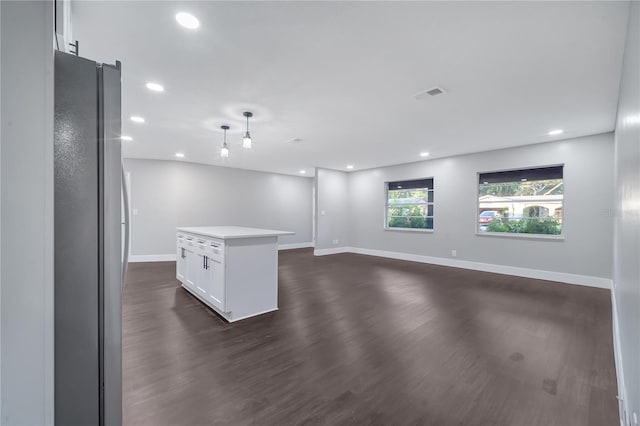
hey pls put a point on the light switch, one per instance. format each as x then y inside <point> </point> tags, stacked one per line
<point>135,212</point>
<point>321,212</point>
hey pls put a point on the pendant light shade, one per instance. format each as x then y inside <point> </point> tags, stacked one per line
<point>224,151</point>
<point>246,141</point>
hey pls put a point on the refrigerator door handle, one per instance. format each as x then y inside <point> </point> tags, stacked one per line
<point>125,254</point>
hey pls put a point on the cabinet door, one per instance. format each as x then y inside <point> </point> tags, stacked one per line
<point>181,263</point>
<point>193,264</point>
<point>203,283</point>
<point>215,276</point>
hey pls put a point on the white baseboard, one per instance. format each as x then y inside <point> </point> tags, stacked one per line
<point>623,406</point>
<point>563,277</point>
<point>172,257</point>
<point>337,250</point>
<point>254,315</point>
<point>585,280</point>
<point>152,258</point>
<point>295,246</point>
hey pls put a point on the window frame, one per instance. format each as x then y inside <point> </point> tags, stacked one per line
<point>385,216</point>
<point>549,237</point>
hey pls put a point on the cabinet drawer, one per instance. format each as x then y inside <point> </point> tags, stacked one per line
<point>201,243</point>
<point>212,248</point>
<point>215,250</point>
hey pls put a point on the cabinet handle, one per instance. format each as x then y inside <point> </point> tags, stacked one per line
<point>206,262</point>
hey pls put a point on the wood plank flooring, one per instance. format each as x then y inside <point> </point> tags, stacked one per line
<point>371,341</point>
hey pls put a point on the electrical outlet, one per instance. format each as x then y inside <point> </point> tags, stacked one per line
<point>135,212</point>
<point>454,253</point>
<point>335,241</point>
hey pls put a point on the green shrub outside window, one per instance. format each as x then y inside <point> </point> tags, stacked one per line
<point>527,201</point>
<point>410,204</point>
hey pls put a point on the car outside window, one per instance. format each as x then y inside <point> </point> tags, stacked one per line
<point>525,201</point>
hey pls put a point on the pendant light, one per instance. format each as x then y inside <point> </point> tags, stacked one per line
<point>246,141</point>
<point>224,151</point>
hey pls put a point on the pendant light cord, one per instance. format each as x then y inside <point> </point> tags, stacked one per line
<point>224,129</point>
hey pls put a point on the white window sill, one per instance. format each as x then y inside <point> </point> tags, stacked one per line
<point>521,236</point>
<point>428,231</point>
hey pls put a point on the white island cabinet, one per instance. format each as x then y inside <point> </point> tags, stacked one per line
<point>232,269</point>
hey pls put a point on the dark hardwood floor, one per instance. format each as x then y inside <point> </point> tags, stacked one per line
<point>371,341</point>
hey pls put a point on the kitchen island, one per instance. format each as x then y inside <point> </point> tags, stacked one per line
<point>232,269</point>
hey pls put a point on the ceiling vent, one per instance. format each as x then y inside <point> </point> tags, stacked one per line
<point>429,93</point>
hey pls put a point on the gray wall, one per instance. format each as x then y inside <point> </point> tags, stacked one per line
<point>168,194</point>
<point>627,230</point>
<point>588,223</point>
<point>27,213</point>
<point>332,209</point>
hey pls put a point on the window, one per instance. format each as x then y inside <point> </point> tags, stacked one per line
<point>410,204</point>
<point>521,201</point>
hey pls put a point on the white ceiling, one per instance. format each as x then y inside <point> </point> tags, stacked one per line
<point>341,76</point>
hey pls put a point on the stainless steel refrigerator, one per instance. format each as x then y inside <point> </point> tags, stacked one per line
<point>90,262</point>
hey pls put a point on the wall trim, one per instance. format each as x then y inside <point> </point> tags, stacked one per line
<point>623,406</point>
<point>337,250</point>
<point>295,245</point>
<point>539,274</point>
<point>135,258</point>
<point>152,258</point>
<point>563,277</point>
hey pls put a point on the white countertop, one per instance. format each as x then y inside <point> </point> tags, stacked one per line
<point>231,232</point>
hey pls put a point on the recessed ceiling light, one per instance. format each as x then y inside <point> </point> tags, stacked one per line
<point>424,154</point>
<point>137,119</point>
<point>303,172</point>
<point>155,87</point>
<point>555,132</point>
<point>187,20</point>
<point>126,138</point>
<point>350,166</point>
<point>179,154</point>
